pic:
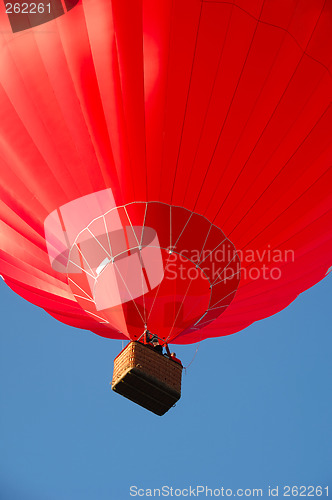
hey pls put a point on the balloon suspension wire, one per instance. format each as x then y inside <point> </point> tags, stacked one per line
<point>194,356</point>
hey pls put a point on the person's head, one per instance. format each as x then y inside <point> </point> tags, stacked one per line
<point>173,354</point>
<point>154,340</point>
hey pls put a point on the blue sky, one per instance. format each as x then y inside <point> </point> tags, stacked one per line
<point>256,409</point>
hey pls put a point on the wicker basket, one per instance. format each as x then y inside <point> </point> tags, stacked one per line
<point>147,378</point>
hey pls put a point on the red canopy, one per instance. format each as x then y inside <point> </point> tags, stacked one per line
<point>166,164</point>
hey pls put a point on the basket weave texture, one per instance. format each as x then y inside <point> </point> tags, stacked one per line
<point>147,378</point>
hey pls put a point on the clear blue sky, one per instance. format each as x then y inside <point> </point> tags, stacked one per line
<point>256,409</point>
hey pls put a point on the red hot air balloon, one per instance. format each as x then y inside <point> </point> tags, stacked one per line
<point>165,165</point>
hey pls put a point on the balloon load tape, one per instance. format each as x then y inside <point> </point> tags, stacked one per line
<point>147,378</point>
<point>24,14</point>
